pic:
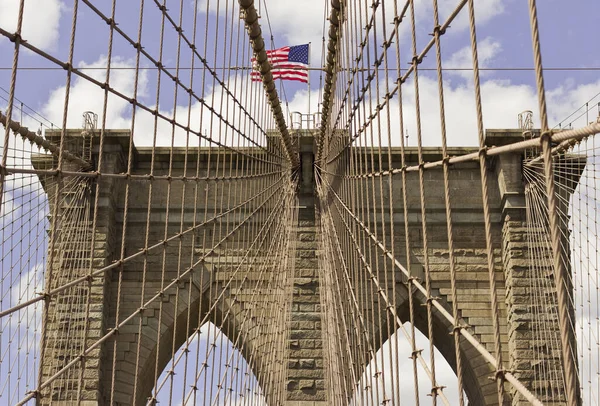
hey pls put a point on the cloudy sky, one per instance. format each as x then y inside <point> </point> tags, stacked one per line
<point>568,41</point>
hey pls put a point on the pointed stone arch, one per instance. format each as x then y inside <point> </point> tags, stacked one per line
<point>480,390</point>
<point>230,362</point>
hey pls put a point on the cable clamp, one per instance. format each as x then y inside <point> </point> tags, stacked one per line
<point>437,30</point>
<point>457,328</point>
<point>46,297</point>
<point>483,151</point>
<point>429,300</point>
<point>16,38</point>
<point>416,60</point>
<point>499,374</point>
<point>435,390</point>
<point>111,22</point>
<point>546,135</point>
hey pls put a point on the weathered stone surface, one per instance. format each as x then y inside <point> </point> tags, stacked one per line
<point>304,356</point>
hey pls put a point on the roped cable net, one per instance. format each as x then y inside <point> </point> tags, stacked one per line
<point>479,250</point>
<point>158,263</point>
<point>151,264</point>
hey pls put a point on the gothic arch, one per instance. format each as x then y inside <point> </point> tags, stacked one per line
<point>174,331</point>
<point>480,390</point>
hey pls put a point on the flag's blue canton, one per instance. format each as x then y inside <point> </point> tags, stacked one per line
<point>299,53</point>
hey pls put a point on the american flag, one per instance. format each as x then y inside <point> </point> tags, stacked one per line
<point>287,63</point>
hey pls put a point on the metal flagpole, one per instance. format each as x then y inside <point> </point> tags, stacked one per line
<point>309,80</point>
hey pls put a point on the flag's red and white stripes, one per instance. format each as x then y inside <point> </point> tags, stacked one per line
<point>282,67</point>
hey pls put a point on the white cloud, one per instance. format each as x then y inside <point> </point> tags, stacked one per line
<point>28,285</point>
<point>86,96</point>
<point>296,25</point>
<point>502,101</point>
<point>41,20</point>
<point>305,23</point>
<point>487,51</point>
<point>9,206</point>
<point>404,386</point>
<point>485,10</point>
<point>299,102</point>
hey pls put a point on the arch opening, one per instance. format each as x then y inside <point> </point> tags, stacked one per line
<point>389,375</point>
<point>208,369</point>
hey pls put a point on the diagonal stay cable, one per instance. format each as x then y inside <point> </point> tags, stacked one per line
<point>141,252</point>
<point>264,66</point>
<point>383,295</point>
<point>157,296</point>
<point>133,101</point>
<point>568,136</point>
<point>399,81</point>
<point>516,383</point>
<point>175,78</point>
<point>41,142</point>
<point>212,71</point>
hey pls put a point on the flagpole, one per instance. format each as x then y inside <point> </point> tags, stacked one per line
<point>309,80</point>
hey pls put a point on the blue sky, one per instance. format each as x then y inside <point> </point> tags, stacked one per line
<point>568,40</point>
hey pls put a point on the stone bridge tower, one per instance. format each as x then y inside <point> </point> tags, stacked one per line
<point>302,363</point>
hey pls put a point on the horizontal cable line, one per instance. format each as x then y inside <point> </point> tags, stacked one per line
<point>263,267</point>
<point>470,337</point>
<point>249,68</point>
<point>399,81</point>
<point>143,251</point>
<point>331,77</point>
<point>252,25</point>
<point>19,109</point>
<point>138,46</point>
<point>269,220</point>
<point>388,304</point>
<point>192,47</point>
<point>66,66</point>
<point>585,106</point>
<point>145,177</point>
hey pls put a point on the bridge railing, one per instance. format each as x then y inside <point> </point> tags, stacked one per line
<point>304,121</point>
